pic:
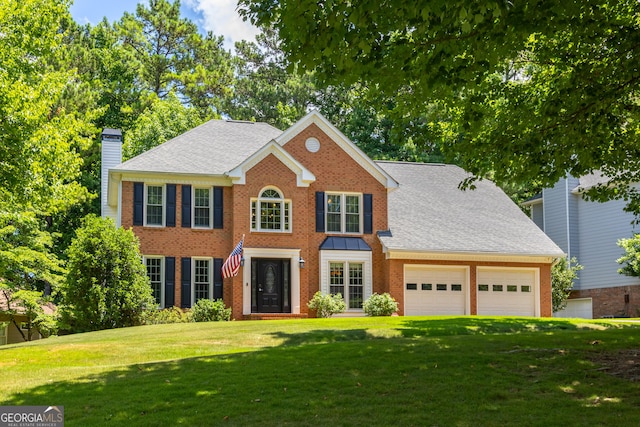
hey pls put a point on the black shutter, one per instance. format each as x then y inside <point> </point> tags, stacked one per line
<point>217,278</point>
<point>186,206</point>
<point>186,282</point>
<point>169,282</point>
<point>367,200</point>
<point>171,205</point>
<point>217,207</point>
<point>138,203</point>
<point>320,211</point>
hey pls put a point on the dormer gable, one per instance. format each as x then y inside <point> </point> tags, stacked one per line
<point>304,177</point>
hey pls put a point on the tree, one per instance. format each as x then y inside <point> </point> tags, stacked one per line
<point>106,286</point>
<point>40,144</point>
<point>265,90</point>
<point>563,274</point>
<point>170,54</point>
<point>528,90</point>
<point>163,120</point>
<point>631,257</point>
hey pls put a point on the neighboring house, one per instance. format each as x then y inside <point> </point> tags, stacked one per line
<point>16,329</point>
<point>589,231</point>
<point>318,214</point>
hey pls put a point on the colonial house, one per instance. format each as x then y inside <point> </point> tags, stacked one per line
<point>589,231</point>
<point>317,214</point>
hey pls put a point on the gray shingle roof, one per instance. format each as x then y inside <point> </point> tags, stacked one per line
<point>428,213</point>
<point>212,148</point>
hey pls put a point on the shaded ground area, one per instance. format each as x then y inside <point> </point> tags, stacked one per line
<point>622,364</point>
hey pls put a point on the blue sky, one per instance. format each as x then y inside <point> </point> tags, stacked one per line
<point>217,16</point>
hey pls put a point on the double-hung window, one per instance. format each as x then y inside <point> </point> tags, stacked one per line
<point>202,284</point>
<point>346,278</point>
<point>154,205</point>
<point>155,273</point>
<point>202,210</point>
<point>271,212</point>
<point>344,213</point>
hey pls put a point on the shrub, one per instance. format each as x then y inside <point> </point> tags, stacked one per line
<point>107,284</point>
<point>327,305</point>
<point>167,315</point>
<point>210,311</point>
<point>380,305</point>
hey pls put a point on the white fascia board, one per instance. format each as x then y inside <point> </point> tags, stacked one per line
<point>471,256</point>
<point>116,176</point>
<point>304,176</point>
<point>339,138</point>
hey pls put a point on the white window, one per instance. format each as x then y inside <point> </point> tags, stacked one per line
<point>344,213</point>
<point>155,271</point>
<point>346,278</point>
<point>154,205</point>
<point>202,208</point>
<point>271,212</point>
<point>202,284</point>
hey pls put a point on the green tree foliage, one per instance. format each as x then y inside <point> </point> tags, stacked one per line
<point>163,120</point>
<point>205,310</point>
<point>631,257</point>
<point>265,90</point>
<point>41,138</point>
<point>529,90</point>
<point>563,274</point>
<point>106,286</point>
<point>170,54</point>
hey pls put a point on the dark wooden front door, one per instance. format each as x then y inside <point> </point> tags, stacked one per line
<point>270,286</point>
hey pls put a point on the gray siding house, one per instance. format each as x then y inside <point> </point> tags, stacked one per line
<point>589,231</point>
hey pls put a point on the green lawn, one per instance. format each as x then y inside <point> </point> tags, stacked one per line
<point>393,371</point>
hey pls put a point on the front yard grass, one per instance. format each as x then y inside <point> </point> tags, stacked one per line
<point>421,371</point>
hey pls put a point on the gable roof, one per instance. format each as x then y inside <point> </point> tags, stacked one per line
<point>314,117</point>
<point>429,214</point>
<point>212,148</point>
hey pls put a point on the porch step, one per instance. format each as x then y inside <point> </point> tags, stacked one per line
<point>274,316</point>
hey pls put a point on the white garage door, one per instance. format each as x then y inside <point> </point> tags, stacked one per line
<point>507,292</point>
<point>579,307</point>
<point>433,290</point>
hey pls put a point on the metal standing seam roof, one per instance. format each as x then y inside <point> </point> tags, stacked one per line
<point>429,213</point>
<point>344,244</point>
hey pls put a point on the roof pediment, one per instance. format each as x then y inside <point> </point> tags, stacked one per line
<point>304,176</point>
<point>314,117</point>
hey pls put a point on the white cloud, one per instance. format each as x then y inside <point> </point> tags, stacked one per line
<point>222,19</point>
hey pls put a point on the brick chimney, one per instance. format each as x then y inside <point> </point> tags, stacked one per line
<point>111,157</point>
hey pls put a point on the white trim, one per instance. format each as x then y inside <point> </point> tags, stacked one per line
<point>292,254</point>
<point>304,176</point>
<point>469,256</point>
<point>343,212</point>
<point>566,194</point>
<point>162,274</point>
<point>193,207</point>
<point>536,285</point>
<point>360,257</point>
<point>283,203</point>
<point>193,277</point>
<point>314,117</point>
<point>164,205</point>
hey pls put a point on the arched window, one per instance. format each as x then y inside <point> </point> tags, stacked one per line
<point>270,211</point>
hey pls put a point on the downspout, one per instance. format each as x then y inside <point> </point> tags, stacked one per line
<point>566,195</point>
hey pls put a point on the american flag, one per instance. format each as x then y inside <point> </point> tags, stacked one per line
<point>232,264</point>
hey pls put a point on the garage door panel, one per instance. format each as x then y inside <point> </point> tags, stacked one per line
<point>508,292</point>
<point>435,291</point>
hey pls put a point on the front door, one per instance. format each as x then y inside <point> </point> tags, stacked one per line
<point>270,286</point>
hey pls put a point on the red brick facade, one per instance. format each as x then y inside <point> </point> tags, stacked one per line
<point>619,301</point>
<point>334,171</point>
